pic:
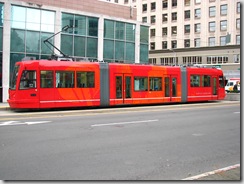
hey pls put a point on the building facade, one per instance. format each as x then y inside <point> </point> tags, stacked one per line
<point>189,32</point>
<point>99,30</point>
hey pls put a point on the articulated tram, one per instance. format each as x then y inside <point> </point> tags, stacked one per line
<point>40,84</point>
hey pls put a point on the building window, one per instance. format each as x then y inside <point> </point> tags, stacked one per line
<point>28,32</point>
<point>152,32</point>
<point>152,46</point>
<point>211,41</point>
<point>144,37</point>
<point>187,2</point>
<point>212,11</point>
<point>173,44</point>
<point>165,31</point>
<point>174,16</point>
<point>152,61</point>
<point>238,24</point>
<point>119,41</point>
<point>144,19</point>
<point>164,45</point>
<point>212,26</point>
<point>197,42</point>
<point>238,39</point>
<point>187,29</point>
<point>153,19</point>
<point>236,58</point>
<point>153,6</point>
<point>174,30</point>
<point>165,4</point>
<point>223,9</point>
<point>187,43</point>
<point>223,25</point>
<point>238,7</point>
<point>144,7</point>
<point>197,28</point>
<point>198,13</point>
<point>197,1</point>
<point>165,17</point>
<point>222,40</point>
<point>187,14</point>
<point>174,3</point>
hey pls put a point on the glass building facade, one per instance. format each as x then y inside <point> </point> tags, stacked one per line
<point>91,37</point>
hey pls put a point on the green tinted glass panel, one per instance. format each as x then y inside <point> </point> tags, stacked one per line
<point>130,52</point>
<point>79,46</point>
<point>15,58</point>
<point>46,48</point>
<point>1,38</point>
<point>1,14</point>
<point>32,42</point>
<point>130,32</point>
<point>17,41</point>
<point>108,49</point>
<point>92,26</point>
<point>92,47</point>
<point>68,19</point>
<point>119,50</point>
<point>143,53</point>
<point>66,44</point>
<point>120,30</point>
<point>144,34</point>
<point>109,29</point>
<point>33,19</point>
<point>80,25</point>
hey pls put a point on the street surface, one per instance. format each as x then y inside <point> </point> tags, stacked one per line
<point>167,142</point>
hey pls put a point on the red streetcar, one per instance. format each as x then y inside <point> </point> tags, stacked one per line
<point>39,84</point>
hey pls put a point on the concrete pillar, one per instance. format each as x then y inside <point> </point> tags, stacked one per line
<point>100,38</point>
<point>6,50</point>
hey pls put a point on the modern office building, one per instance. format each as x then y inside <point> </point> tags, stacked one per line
<point>99,31</point>
<point>188,32</point>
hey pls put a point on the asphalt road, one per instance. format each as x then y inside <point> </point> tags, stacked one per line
<point>169,142</point>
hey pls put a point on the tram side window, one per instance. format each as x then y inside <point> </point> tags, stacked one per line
<point>140,83</point>
<point>195,81</point>
<point>206,81</point>
<point>221,82</point>
<point>28,79</point>
<point>155,83</point>
<point>64,79</point>
<point>85,79</point>
<point>46,79</point>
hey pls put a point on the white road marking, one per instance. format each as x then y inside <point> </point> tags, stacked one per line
<point>123,123</point>
<point>37,122</point>
<point>236,112</point>
<point>212,172</point>
<point>10,123</point>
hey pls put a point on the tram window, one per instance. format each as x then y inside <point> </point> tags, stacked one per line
<point>46,79</point>
<point>195,81</point>
<point>85,79</point>
<point>206,81</point>
<point>64,79</point>
<point>28,79</point>
<point>155,83</point>
<point>140,83</point>
<point>221,82</point>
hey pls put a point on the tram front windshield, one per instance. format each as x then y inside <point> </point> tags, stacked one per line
<point>14,76</point>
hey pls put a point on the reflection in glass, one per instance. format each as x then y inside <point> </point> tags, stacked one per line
<point>18,17</point>
<point>79,46</point>
<point>32,42</point>
<point>92,47</point>
<point>80,25</point>
<point>47,21</point>
<point>17,41</point>
<point>44,48</point>
<point>66,44</point>
<point>33,19</point>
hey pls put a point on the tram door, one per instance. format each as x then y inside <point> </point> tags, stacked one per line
<point>123,87</point>
<point>215,87</point>
<point>170,87</point>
